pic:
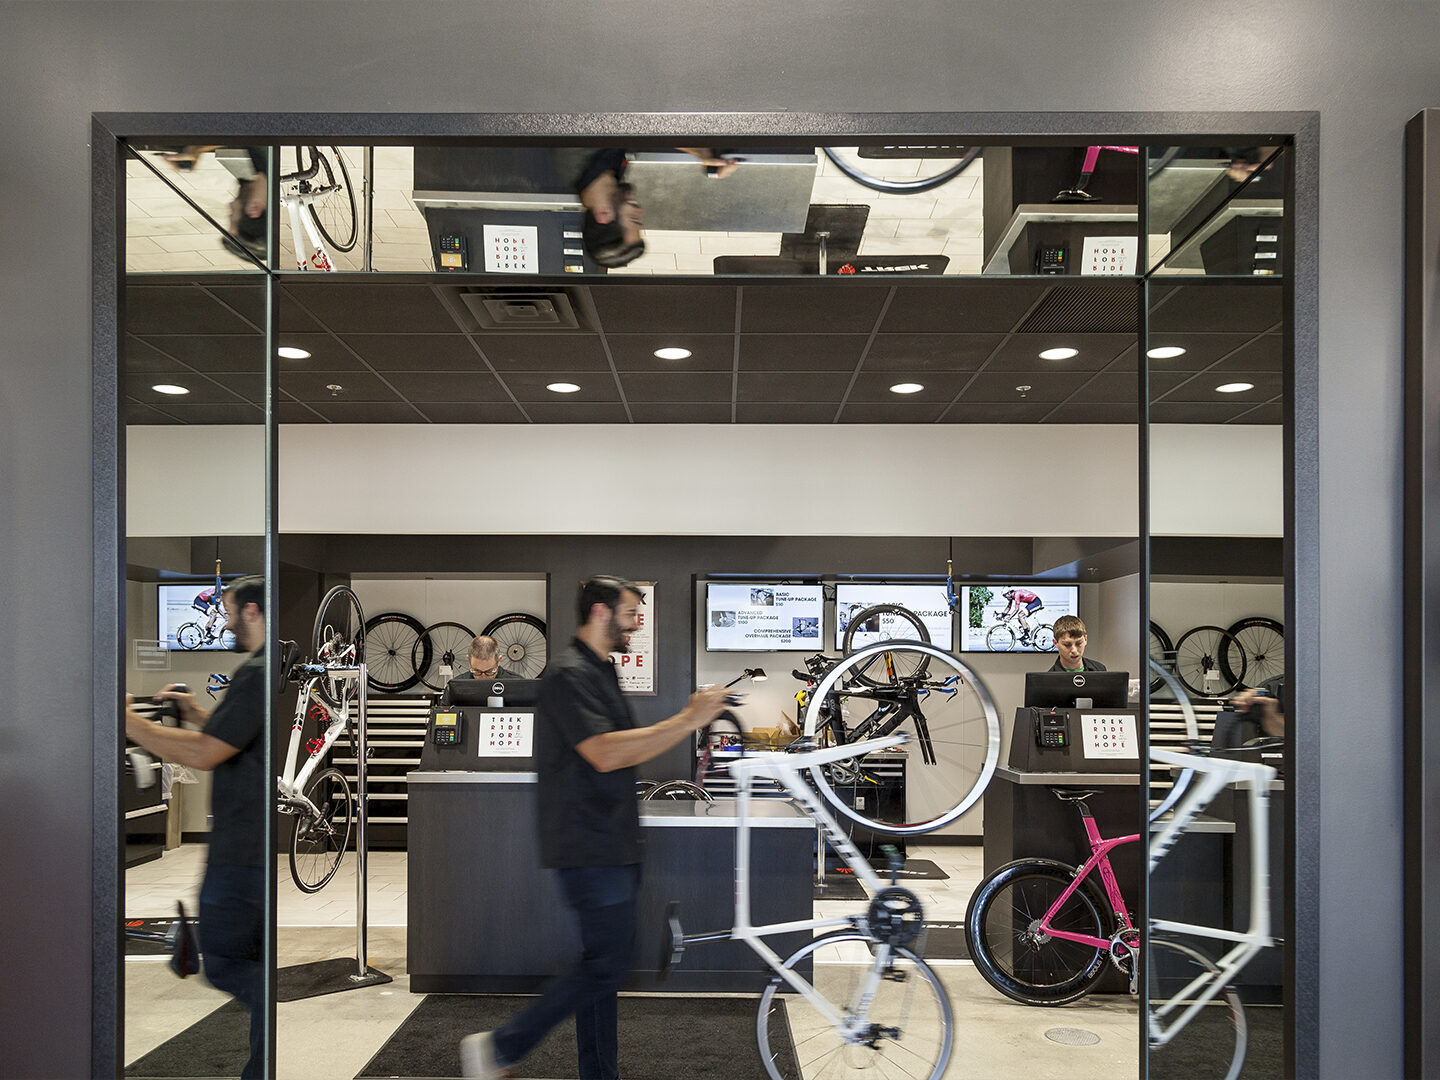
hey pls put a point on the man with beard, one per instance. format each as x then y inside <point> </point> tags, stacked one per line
<point>586,750</point>
<point>230,744</point>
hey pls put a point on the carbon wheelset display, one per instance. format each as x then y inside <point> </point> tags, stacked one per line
<point>1198,662</point>
<point>1256,651</point>
<point>391,661</point>
<point>1162,651</point>
<point>521,638</point>
<point>318,841</point>
<point>886,622</point>
<point>448,646</point>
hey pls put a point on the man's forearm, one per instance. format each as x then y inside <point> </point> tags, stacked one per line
<point>180,745</point>
<point>633,746</point>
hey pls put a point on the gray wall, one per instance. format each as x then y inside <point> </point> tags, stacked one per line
<point>1365,67</point>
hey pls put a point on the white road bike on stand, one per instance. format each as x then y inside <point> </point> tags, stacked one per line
<point>317,799</point>
<point>859,1001</point>
<point>320,202</point>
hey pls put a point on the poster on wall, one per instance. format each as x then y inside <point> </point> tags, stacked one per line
<point>926,601</point>
<point>1013,617</point>
<point>636,668</point>
<point>763,617</point>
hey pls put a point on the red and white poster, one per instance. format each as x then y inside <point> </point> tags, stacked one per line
<point>636,668</point>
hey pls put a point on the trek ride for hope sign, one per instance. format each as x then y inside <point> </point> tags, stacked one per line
<point>636,668</point>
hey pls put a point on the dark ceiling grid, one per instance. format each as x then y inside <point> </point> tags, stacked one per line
<point>735,358</point>
<point>615,373</point>
<point>448,302</point>
<point>982,369</point>
<point>865,351</point>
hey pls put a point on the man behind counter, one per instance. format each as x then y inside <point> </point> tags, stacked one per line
<point>1070,640</point>
<point>485,661</point>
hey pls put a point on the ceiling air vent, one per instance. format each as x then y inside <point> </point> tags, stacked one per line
<point>503,309</point>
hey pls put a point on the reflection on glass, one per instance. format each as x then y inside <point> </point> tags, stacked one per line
<point>1216,210</point>
<point>194,779</point>
<point>1215,357</point>
<point>322,227</point>
<point>196,209</point>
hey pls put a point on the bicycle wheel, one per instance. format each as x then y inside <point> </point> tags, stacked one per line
<point>886,622</point>
<point>678,790</point>
<point>448,645</point>
<point>338,638</point>
<point>1000,638</point>
<point>189,636</point>
<point>390,665</point>
<point>1003,936</point>
<point>1257,649</point>
<point>1162,651</point>
<point>911,1025</point>
<point>227,640</point>
<point>1043,639</point>
<point>521,638</point>
<point>1213,1043</point>
<point>317,843</point>
<point>333,210</point>
<point>954,741</point>
<point>1197,662</point>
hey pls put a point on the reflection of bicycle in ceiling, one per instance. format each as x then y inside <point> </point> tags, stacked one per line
<point>320,201</point>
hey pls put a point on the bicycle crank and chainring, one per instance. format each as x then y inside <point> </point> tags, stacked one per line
<point>896,916</point>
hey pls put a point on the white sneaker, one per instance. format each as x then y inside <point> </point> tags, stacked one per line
<point>477,1057</point>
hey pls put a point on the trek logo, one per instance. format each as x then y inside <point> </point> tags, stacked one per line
<point>903,268</point>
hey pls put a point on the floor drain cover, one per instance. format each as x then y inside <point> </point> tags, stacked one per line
<point>1072,1036</point>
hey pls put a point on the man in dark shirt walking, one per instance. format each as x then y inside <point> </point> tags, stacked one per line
<point>231,745</point>
<point>586,750</point>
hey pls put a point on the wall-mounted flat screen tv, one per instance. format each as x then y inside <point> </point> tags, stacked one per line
<point>926,601</point>
<point>1001,616</point>
<point>189,617</point>
<point>763,617</point>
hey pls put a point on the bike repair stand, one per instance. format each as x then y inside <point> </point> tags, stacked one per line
<point>344,973</point>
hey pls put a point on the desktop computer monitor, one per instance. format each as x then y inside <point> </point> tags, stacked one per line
<point>515,693</point>
<point>1061,689</point>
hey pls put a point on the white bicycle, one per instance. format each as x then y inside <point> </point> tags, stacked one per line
<point>320,201</point>
<point>317,799</point>
<point>859,1000</point>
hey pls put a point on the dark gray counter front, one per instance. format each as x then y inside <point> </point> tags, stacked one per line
<point>485,918</point>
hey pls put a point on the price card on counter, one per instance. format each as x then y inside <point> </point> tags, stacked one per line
<point>506,734</point>
<point>1103,735</point>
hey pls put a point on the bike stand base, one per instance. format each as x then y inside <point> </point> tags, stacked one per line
<point>324,977</point>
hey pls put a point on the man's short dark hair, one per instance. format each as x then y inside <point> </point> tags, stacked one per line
<point>247,590</point>
<point>606,244</point>
<point>602,589</point>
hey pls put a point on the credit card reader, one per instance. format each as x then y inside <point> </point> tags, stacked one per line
<point>1052,729</point>
<point>448,728</point>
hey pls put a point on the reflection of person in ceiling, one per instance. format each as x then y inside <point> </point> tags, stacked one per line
<point>613,215</point>
<point>247,210</point>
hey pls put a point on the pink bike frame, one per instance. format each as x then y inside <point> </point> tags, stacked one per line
<point>1100,856</point>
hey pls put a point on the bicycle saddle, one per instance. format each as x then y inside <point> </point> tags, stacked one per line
<point>1074,794</point>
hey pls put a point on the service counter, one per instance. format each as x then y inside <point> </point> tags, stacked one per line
<point>485,918</point>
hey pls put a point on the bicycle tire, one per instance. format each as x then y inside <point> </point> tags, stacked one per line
<point>334,216</point>
<point>317,846</point>
<point>1261,645</point>
<point>338,637</point>
<point>676,790</point>
<point>521,637</point>
<point>1213,1044</point>
<point>1000,638</point>
<point>910,1014</point>
<point>448,644</point>
<point>903,187</point>
<point>881,671</point>
<point>1025,967</point>
<point>189,636</point>
<point>961,731</point>
<point>1162,651</point>
<point>1043,640</point>
<point>389,641</point>
<point>227,640</point>
<point>1197,655</point>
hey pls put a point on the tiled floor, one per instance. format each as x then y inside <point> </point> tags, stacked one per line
<point>332,1037</point>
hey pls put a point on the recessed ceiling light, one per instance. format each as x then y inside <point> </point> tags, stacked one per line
<point>169,388</point>
<point>289,352</point>
<point>907,388</point>
<point>1234,387</point>
<point>1059,354</point>
<point>673,354</point>
<point>563,387</point>
<point>1165,352</point>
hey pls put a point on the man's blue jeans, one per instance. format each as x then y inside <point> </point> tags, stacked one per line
<point>232,912</point>
<point>604,899</point>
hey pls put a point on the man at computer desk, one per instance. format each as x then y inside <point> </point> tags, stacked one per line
<point>1070,640</point>
<point>485,663</point>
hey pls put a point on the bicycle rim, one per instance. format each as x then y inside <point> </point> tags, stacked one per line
<point>189,636</point>
<point>1198,656</point>
<point>1256,650</point>
<point>521,638</point>
<point>389,652</point>
<point>1212,1045</point>
<point>797,1043</point>
<point>338,638</point>
<point>948,761</point>
<point>333,210</point>
<point>1162,652</point>
<point>317,844</point>
<point>886,622</point>
<point>1000,638</point>
<point>448,646</point>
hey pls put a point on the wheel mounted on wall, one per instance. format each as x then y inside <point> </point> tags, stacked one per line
<point>391,660</point>
<point>1257,651</point>
<point>448,646</point>
<point>1162,651</point>
<point>1198,662</point>
<point>521,637</point>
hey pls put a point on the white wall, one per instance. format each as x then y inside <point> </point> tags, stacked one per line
<point>1217,480</point>
<point>469,601</point>
<point>1180,605</point>
<point>200,480</point>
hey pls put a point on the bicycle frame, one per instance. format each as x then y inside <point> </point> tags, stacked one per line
<point>291,785</point>
<point>296,204</point>
<point>1099,858</point>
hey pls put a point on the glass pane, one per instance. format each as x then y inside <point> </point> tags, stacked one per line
<point>194,364</point>
<point>322,199</point>
<point>195,209</point>
<point>1215,355</point>
<point>1216,210</point>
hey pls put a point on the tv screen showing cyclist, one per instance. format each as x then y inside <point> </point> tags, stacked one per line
<point>1013,616</point>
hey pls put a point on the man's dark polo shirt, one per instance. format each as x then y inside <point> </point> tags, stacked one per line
<point>587,818</point>
<point>1086,664</point>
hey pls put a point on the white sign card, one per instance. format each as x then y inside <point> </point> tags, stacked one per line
<point>507,734</point>
<point>1104,255</point>
<point>636,668</point>
<point>512,249</point>
<point>1105,735</point>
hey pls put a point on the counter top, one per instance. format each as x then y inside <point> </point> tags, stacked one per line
<point>764,813</point>
<point>1067,779</point>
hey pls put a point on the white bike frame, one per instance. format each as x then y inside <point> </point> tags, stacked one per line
<point>291,785</point>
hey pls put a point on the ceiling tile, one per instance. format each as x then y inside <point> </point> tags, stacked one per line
<point>292,318</point>
<point>961,308</point>
<point>1201,350</point>
<point>208,352</point>
<point>247,301</point>
<point>865,412</point>
<point>313,386</point>
<point>940,387</point>
<point>785,412</point>
<point>135,413</point>
<point>367,412</point>
<point>295,412</point>
<point>708,352</point>
<point>1073,412</point>
<point>793,386</point>
<point>181,308</point>
<point>1201,388</point>
<point>467,412</point>
<point>579,412</point>
<point>1000,387</point>
<point>1013,412</point>
<point>1122,387</point>
<point>800,352</point>
<point>326,354</point>
<point>422,352</point>
<point>142,357</point>
<point>1272,412</point>
<point>811,308</point>
<point>684,413</point>
<point>544,352</point>
<point>202,390</point>
<point>930,352</point>
<point>1021,352</point>
<point>1263,353</point>
<point>366,307</point>
<point>218,413</point>
<point>677,386</point>
<point>1235,306</point>
<point>635,308</point>
<point>1169,412</point>
<point>466,386</point>
<point>530,385</point>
